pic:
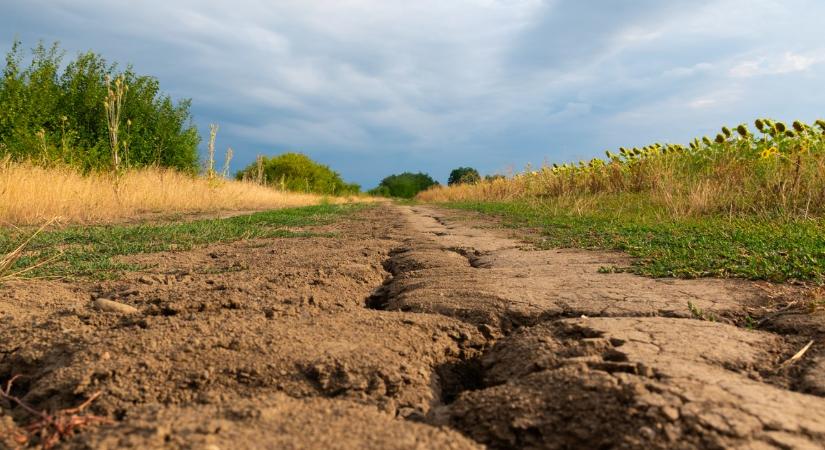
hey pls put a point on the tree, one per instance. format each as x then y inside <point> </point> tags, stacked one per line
<point>463,175</point>
<point>297,172</point>
<point>53,115</point>
<point>404,185</point>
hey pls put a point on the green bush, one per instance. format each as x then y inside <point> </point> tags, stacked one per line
<point>405,185</point>
<point>54,115</point>
<point>297,172</point>
<point>463,175</point>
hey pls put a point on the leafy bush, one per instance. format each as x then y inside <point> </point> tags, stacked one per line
<point>297,172</point>
<point>49,115</point>
<point>405,185</point>
<point>463,175</point>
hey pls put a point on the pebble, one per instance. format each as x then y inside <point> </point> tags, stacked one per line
<point>112,306</point>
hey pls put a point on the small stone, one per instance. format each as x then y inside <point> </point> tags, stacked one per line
<point>112,306</point>
<point>647,433</point>
<point>670,412</point>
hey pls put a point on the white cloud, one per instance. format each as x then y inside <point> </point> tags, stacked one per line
<point>787,63</point>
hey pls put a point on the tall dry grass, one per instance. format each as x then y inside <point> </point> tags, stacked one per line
<point>781,172</point>
<point>33,194</point>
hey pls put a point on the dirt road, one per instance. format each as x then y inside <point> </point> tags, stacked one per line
<point>410,328</point>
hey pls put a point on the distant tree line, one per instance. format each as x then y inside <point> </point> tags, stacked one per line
<point>463,175</point>
<point>408,184</point>
<point>404,185</point>
<point>54,113</point>
<point>297,172</point>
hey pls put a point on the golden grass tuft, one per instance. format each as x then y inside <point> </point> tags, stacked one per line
<point>32,194</point>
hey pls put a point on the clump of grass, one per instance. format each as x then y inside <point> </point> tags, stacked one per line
<point>10,269</point>
<point>699,314</point>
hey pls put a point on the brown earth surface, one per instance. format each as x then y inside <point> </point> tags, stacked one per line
<point>412,327</point>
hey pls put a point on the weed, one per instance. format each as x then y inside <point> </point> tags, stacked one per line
<point>114,105</point>
<point>699,314</point>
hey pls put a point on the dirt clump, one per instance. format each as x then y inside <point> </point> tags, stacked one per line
<point>637,383</point>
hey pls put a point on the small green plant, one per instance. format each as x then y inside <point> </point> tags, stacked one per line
<point>699,314</point>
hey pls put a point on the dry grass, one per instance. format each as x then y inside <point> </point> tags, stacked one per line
<point>32,195</point>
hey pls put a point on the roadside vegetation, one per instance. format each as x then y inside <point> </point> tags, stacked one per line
<point>745,204</point>
<point>92,251</point>
<point>83,111</point>
<point>84,141</point>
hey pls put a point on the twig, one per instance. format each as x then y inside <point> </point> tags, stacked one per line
<point>51,428</point>
<point>796,356</point>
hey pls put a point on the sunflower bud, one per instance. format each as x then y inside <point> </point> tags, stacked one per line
<point>706,140</point>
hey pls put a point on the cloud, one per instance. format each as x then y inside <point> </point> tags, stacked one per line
<point>789,62</point>
<point>370,86</point>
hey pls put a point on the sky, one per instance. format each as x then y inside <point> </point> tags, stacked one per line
<point>375,87</point>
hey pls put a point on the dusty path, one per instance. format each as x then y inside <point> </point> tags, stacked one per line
<point>410,329</point>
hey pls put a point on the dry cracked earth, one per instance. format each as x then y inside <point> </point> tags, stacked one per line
<point>412,328</point>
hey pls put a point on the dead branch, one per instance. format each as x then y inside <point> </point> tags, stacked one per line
<point>52,428</point>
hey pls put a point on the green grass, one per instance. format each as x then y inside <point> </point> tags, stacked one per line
<point>89,252</point>
<point>775,249</point>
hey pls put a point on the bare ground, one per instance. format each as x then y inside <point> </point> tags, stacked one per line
<point>411,329</point>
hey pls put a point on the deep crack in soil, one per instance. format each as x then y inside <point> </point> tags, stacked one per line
<point>410,329</point>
